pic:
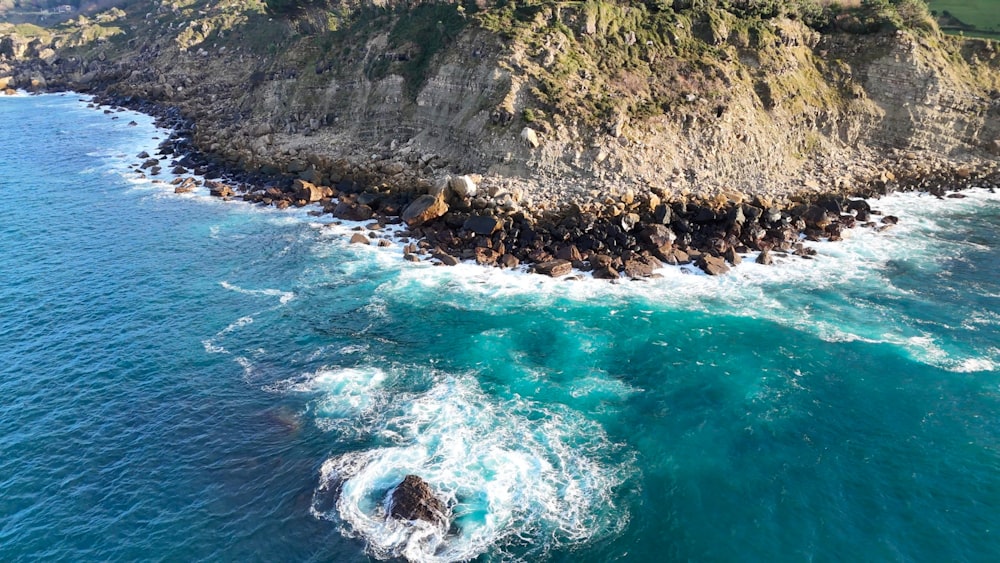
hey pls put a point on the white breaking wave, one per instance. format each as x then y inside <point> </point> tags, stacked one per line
<point>211,345</point>
<point>283,296</point>
<point>512,474</point>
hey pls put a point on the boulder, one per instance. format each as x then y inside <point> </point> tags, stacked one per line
<point>423,209</point>
<point>486,256</point>
<point>358,238</point>
<point>569,252</point>
<point>185,186</point>
<point>663,214</point>
<point>765,258</point>
<point>554,268</point>
<point>994,147</point>
<point>150,163</point>
<point>349,211</point>
<point>712,265</point>
<point>638,268</point>
<point>606,273</point>
<point>484,225</point>
<point>530,137</point>
<point>307,191</point>
<point>816,217</point>
<point>657,236</point>
<point>463,186</point>
<point>413,499</point>
<point>218,189</point>
<point>446,259</point>
<point>732,256</point>
<point>509,261</point>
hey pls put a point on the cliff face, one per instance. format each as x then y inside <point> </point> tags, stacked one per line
<point>575,102</point>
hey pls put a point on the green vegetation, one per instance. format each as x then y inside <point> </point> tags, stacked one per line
<point>970,17</point>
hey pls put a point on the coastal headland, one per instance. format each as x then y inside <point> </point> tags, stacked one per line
<point>610,137</point>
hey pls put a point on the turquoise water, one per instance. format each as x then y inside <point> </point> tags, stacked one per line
<point>189,379</point>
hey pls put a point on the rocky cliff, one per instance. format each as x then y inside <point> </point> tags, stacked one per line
<point>705,103</point>
<point>554,107</point>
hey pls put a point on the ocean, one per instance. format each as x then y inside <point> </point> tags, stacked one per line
<point>188,379</point>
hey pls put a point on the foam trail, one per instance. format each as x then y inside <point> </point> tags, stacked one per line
<point>283,296</point>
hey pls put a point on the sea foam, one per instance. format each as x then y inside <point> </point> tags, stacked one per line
<point>520,478</point>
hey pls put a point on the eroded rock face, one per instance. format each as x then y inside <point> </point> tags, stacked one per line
<point>413,499</point>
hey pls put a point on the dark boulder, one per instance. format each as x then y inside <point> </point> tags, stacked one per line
<point>858,205</point>
<point>663,214</point>
<point>765,258</point>
<point>816,217</point>
<point>352,211</point>
<point>569,252</point>
<point>484,225</point>
<point>657,236</point>
<point>413,499</point>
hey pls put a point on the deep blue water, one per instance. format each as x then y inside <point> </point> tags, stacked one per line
<point>187,379</point>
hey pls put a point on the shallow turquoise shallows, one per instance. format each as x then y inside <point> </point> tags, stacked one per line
<point>186,379</point>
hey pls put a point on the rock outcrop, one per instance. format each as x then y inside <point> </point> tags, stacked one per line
<point>413,499</point>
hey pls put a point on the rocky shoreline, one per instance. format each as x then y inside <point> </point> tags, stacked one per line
<point>738,136</point>
<point>460,218</point>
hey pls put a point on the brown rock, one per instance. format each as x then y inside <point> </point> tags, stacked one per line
<point>509,261</point>
<point>446,259</point>
<point>569,252</point>
<point>218,189</point>
<point>486,256</point>
<point>358,238</point>
<point>307,191</point>
<point>423,209</point>
<point>817,217</point>
<point>413,499</point>
<point>606,273</point>
<point>352,211</point>
<point>712,265</point>
<point>732,256</point>
<point>554,268</point>
<point>637,269</point>
<point>765,258</point>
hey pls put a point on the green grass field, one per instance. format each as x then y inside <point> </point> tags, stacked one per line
<point>982,15</point>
